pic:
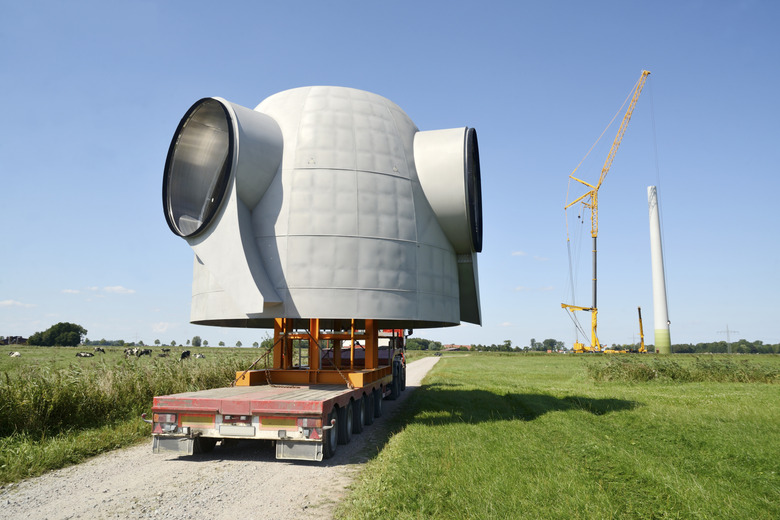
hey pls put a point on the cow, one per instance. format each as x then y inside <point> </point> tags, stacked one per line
<point>144,352</point>
<point>85,354</point>
<point>15,354</point>
<point>164,354</point>
<point>185,355</point>
<point>166,350</point>
<point>200,356</point>
<point>131,351</point>
<point>100,349</point>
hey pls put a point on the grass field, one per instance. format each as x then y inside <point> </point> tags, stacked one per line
<point>545,436</point>
<point>57,409</point>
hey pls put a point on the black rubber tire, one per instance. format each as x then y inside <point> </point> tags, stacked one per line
<point>395,385</point>
<point>345,423</point>
<point>369,398</point>
<point>377,402</point>
<point>358,415</point>
<point>403,377</point>
<point>330,437</point>
<point>204,444</point>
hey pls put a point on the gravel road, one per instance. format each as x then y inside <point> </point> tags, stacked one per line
<point>243,481</point>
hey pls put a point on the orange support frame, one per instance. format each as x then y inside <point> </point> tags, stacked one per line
<point>283,369</point>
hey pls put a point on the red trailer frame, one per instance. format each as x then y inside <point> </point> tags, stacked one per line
<point>306,409</point>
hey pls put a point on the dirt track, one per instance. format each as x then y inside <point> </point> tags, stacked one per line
<point>244,481</point>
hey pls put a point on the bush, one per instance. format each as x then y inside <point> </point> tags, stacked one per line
<point>42,402</point>
<point>698,370</point>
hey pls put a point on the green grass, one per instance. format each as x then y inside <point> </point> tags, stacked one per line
<point>65,357</point>
<point>56,409</point>
<point>723,369</point>
<point>516,436</point>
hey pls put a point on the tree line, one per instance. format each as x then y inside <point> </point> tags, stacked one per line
<point>70,335</point>
<point>62,334</point>
<point>742,346</point>
<point>66,334</point>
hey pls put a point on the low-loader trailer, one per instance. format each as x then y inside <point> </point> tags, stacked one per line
<point>306,404</point>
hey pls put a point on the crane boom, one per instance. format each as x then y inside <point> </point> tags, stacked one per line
<point>642,347</point>
<point>623,125</point>
<point>590,200</point>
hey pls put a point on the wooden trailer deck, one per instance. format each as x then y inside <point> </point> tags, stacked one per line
<point>253,400</point>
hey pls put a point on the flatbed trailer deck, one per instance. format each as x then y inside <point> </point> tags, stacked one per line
<point>306,421</point>
<point>292,416</point>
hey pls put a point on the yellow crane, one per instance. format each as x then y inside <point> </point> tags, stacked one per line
<point>642,349</point>
<point>590,201</point>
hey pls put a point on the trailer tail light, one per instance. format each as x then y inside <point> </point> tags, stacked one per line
<point>164,422</point>
<point>164,418</point>
<point>310,422</point>
<point>308,426</point>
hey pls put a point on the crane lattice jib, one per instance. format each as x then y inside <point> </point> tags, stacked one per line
<point>593,205</point>
<point>623,125</point>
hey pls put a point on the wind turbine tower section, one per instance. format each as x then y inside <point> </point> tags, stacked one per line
<point>663,342</point>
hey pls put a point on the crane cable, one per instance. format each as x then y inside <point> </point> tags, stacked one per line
<point>577,324</point>
<point>658,203</point>
<point>619,111</point>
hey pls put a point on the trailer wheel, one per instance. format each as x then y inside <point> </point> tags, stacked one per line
<point>345,424</point>
<point>377,393</point>
<point>403,377</point>
<point>204,444</point>
<point>369,407</point>
<point>359,415</point>
<point>395,385</point>
<point>330,437</point>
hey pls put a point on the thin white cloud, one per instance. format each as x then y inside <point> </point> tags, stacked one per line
<point>14,303</point>
<point>506,324</point>
<point>519,253</point>
<point>541,258</point>
<point>547,288</point>
<point>71,291</point>
<point>521,288</point>
<point>118,289</point>
<point>162,326</point>
<point>93,288</point>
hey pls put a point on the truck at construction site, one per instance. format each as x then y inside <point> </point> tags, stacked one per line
<point>306,410</point>
<point>324,214</point>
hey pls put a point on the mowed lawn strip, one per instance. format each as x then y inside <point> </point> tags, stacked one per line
<point>533,436</point>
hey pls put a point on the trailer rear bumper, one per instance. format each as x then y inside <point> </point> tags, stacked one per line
<point>180,445</point>
<point>286,448</point>
<point>298,450</point>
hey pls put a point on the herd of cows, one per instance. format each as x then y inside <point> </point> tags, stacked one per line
<point>129,352</point>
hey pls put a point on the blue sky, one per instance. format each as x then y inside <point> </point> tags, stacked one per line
<point>93,92</point>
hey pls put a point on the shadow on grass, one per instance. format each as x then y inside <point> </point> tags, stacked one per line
<point>440,404</point>
<point>431,405</point>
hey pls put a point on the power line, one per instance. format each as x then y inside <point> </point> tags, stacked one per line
<point>728,332</point>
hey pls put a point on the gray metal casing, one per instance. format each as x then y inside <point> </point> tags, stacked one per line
<point>349,212</point>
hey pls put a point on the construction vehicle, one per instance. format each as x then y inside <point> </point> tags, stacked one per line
<point>642,349</point>
<point>589,200</point>
<point>307,410</point>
